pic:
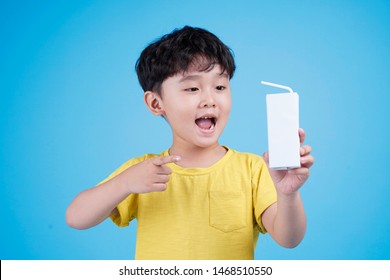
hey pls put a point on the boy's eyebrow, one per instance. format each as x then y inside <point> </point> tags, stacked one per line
<point>224,75</point>
<point>189,78</point>
<point>196,77</point>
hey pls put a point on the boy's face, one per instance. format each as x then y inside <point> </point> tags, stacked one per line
<point>196,104</point>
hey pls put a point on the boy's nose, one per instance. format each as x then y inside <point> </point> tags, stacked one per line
<point>209,105</point>
<point>207,100</point>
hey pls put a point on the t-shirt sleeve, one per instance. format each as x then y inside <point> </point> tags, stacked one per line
<point>126,211</point>
<point>264,193</point>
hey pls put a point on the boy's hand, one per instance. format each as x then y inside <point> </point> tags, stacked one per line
<point>289,181</point>
<point>150,175</point>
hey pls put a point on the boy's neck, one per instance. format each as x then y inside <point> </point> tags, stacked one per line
<point>198,157</point>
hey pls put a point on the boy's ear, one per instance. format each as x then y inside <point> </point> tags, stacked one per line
<point>154,103</point>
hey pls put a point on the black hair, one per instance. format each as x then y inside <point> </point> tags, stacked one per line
<point>177,51</point>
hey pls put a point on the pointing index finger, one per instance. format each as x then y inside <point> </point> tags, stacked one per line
<point>165,159</point>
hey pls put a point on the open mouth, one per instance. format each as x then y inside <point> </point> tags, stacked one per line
<point>206,123</point>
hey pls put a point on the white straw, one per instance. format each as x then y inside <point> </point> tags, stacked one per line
<point>278,86</point>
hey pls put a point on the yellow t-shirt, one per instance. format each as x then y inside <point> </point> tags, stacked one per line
<point>205,213</point>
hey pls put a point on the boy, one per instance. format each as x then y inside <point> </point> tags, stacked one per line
<point>198,199</point>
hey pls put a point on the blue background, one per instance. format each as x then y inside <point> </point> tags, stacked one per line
<point>72,112</point>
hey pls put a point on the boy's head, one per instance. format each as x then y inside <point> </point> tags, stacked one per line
<point>176,52</point>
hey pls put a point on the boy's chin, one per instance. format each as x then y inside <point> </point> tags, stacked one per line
<point>207,143</point>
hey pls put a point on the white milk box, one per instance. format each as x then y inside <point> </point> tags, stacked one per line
<point>282,126</point>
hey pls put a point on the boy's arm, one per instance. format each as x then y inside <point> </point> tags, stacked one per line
<point>94,205</point>
<point>285,220</point>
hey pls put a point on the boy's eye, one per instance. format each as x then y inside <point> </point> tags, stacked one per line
<point>220,87</point>
<point>192,89</point>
